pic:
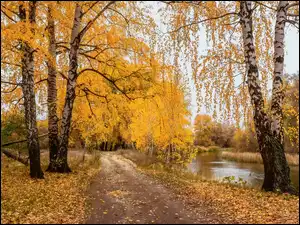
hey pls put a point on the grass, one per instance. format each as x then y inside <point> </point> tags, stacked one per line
<point>59,198</point>
<point>255,157</point>
<point>201,149</point>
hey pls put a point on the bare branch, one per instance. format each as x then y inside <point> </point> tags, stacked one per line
<point>90,8</point>
<point>20,141</point>
<point>292,5</point>
<point>8,16</point>
<point>262,4</point>
<point>17,14</point>
<point>294,23</point>
<point>40,81</point>
<point>18,101</point>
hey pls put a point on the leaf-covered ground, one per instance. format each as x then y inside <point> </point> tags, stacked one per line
<point>59,198</point>
<point>237,204</point>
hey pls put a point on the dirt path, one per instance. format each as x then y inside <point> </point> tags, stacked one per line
<point>121,194</point>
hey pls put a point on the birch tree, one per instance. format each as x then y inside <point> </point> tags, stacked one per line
<point>27,70</point>
<point>269,131</point>
<point>52,92</point>
<point>234,49</point>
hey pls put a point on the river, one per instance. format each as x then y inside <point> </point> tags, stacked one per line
<point>211,166</point>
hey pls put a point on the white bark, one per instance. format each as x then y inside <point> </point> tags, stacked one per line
<point>52,92</point>
<point>62,164</point>
<point>29,96</point>
<point>277,92</point>
<point>276,169</point>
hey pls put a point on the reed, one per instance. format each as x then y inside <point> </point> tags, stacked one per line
<point>255,157</point>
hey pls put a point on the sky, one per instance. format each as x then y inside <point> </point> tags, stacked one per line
<point>291,56</point>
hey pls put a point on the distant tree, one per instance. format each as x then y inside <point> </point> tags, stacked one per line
<point>291,113</point>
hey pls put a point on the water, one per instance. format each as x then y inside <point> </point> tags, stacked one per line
<point>211,166</point>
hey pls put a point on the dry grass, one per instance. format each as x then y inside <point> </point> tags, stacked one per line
<point>59,198</point>
<point>255,157</point>
<point>201,149</point>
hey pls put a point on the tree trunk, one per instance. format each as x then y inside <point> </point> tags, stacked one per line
<point>168,154</point>
<point>277,91</point>
<point>61,163</point>
<point>29,98</point>
<point>276,169</point>
<point>102,146</point>
<point>52,95</point>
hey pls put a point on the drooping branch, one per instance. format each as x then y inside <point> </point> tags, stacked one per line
<point>202,21</point>
<point>293,22</point>
<point>107,78</point>
<point>91,22</point>
<point>40,81</point>
<point>116,11</point>
<point>17,14</point>
<point>90,8</point>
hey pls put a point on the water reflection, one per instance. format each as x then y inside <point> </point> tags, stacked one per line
<point>211,166</point>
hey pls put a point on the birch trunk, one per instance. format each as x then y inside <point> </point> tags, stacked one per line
<point>277,92</point>
<point>29,97</point>
<point>276,169</point>
<point>52,95</point>
<point>61,163</point>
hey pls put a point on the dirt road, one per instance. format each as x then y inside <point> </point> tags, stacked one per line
<point>121,194</point>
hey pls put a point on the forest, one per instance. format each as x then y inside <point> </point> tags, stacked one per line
<point>149,112</point>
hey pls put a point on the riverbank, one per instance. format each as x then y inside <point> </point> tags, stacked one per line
<point>238,204</point>
<point>59,198</point>
<point>255,157</point>
<point>235,203</point>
